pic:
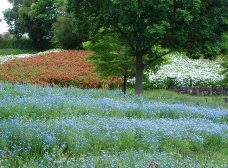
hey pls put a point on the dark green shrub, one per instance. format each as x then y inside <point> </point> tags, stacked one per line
<point>225,71</point>
<point>224,44</point>
<point>64,35</point>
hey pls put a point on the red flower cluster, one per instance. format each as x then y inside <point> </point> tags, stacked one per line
<point>63,68</point>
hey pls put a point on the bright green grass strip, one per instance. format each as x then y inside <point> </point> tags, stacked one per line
<point>124,159</point>
<point>33,112</point>
<point>14,51</point>
<point>173,97</point>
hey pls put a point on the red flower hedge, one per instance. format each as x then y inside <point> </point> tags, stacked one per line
<point>63,68</point>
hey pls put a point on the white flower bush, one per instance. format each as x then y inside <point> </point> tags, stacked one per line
<point>183,71</point>
<point>6,58</point>
<point>49,51</point>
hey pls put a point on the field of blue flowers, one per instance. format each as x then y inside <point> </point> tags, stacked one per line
<point>70,127</point>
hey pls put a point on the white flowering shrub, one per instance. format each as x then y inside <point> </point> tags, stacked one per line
<point>183,71</point>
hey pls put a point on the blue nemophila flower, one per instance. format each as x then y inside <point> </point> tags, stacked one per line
<point>30,98</point>
<point>104,126</point>
<point>79,132</point>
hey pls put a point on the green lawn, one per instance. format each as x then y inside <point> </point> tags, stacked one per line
<point>173,97</point>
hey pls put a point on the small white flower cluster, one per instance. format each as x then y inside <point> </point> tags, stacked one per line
<point>49,51</point>
<point>6,58</point>
<point>183,71</point>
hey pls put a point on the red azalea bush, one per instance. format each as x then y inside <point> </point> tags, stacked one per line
<point>63,68</point>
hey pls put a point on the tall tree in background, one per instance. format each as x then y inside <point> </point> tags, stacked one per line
<point>180,25</point>
<point>34,17</point>
<point>66,34</point>
<point>11,16</point>
<point>86,22</point>
<point>38,17</point>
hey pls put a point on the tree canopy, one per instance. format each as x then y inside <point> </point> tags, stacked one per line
<point>11,16</point>
<point>34,17</point>
<point>179,25</point>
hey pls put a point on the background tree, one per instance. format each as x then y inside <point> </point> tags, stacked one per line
<point>66,34</point>
<point>223,44</point>
<point>85,22</point>
<point>11,16</point>
<point>111,58</point>
<point>34,17</point>
<point>38,17</point>
<point>179,25</point>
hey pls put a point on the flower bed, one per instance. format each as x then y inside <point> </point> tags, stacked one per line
<point>55,68</point>
<point>5,58</point>
<point>71,127</point>
<point>183,71</point>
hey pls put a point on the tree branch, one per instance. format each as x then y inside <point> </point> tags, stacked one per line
<point>157,58</point>
<point>124,34</point>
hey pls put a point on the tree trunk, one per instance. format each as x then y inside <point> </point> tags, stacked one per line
<point>139,75</point>
<point>124,86</point>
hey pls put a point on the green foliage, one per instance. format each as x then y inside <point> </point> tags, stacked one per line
<point>144,24</point>
<point>154,59</point>
<point>38,17</point>
<point>225,71</point>
<point>111,58</point>
<point>64,34</point>
<point>11,42</point>
<point>35,18</point>
<point>110,51</point>
<point>85,22</point>
<point>223,44</point>
<point>13,51</point>
<point>173,97</point>
<point>12,18</point>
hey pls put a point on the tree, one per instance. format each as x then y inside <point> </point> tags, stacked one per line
<point>108,50</point>
<point>38,17</point>
<point>84,24</point>
<point>66,34</point>
<point>34,17</point>
<point>11,16</point>
<point>223,44</point>
<point>179,25</point>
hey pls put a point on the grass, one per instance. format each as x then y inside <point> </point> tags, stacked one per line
<point>13,51</point>
<point>70,127</point>
<point>173,97</point>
